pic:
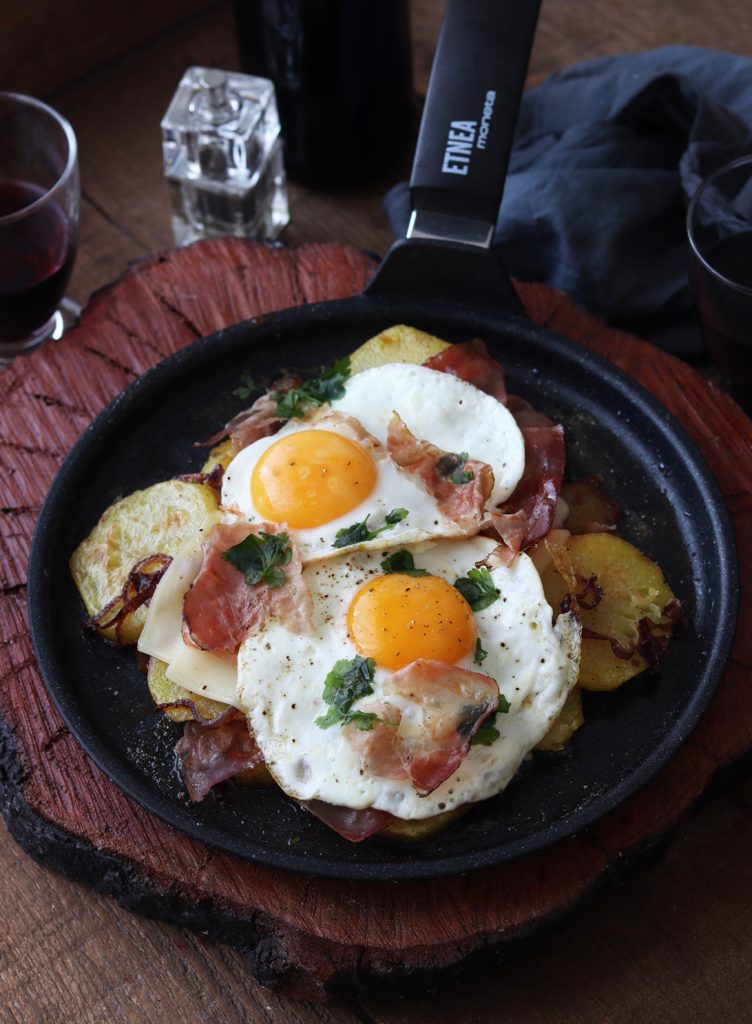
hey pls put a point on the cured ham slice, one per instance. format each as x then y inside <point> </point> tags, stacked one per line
<point>259,420</point>
<point>353,825</point>
<point>470,361</point>
<point>220,610</point>
<point>212,752</point>
<point>461,488</point>
<point>528,514</point>
<point>427,739</point>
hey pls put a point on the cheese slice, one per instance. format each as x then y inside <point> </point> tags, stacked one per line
<point>206,674</point>
<point>162,635</point>
<point>203,673</point>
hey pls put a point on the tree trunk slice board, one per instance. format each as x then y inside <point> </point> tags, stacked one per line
<point>307,938</point>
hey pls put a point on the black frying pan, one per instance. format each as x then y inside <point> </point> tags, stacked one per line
<point>453,287</point>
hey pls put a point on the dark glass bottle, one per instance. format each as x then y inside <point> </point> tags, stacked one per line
<point>343,77</point>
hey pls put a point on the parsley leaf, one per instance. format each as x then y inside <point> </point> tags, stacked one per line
<point>488,732</point>
<point>346,683</point>
<point>247,386</point>
<point>260,557</point>
<point>362,720</point>
<point>403,562</point>
<point>450,466</point>
<point>329,384</point>
<point>477,588</point>
<point>359,532</point>
<point>480,655</point>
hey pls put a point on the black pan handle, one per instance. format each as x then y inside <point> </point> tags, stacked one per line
<point>469,118</point>
<point>462,156</point>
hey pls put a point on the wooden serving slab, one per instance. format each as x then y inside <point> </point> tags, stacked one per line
<point>304,937</point>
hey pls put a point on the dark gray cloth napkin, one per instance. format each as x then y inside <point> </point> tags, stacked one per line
<point>607,155</point>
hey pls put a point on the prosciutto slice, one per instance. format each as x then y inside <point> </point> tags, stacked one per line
<point>427,742</point>
<point>528,514</point>
<point>353,825</point>
<point>470,361</point>
<point>220,610</point>
<point>465,502</point>
<point>214,752</point>
<point>259,420</point>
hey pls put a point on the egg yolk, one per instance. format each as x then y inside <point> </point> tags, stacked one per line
<point>311,477</point>
<point>396,619</point>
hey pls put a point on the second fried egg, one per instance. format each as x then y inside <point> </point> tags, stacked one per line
<point>411,630</point>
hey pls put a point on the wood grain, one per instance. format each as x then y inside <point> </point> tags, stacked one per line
<point>46,45</point>
<point>63,811</point>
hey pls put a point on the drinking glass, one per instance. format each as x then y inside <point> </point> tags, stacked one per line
<point>719,228</point>
<point>39,213</point>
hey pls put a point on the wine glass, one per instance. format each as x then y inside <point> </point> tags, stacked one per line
<point>39,214</point>
<point>719,229</point>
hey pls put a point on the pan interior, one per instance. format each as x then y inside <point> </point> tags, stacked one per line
<point>672,511</point>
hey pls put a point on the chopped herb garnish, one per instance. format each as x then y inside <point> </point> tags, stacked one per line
<point>477,588</point>
<point>480,654</point>
<point>450,466</point>
<point>359,532</point>
<point>362,720</point>
<point>247,386</point>
<point>260,558</point>
<point>402,562</point>
<point>488,732</point>
<point>346,683</point>
<point>329,384</point>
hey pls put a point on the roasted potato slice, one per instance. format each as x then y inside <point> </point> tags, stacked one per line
<point>157,520</point>
<point>221,454</point>
<point>591,507</point>
<point>164,691</point>
<point>566,725</point>
<point>633,589</point>
<point>399,344</point>
<point>421,829</point>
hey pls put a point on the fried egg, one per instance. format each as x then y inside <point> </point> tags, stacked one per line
<point>442,409</point>
<point>325,475</point>
<point>397,620</point>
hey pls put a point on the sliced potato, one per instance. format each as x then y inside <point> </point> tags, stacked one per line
<point>399,344</point>
<point>590,505</point>
<point>157,520</point>
<point>566,725</point>
<point>164,691</point>
<point>421,829</point>
<point>633,588</point>
<point>221,454</point>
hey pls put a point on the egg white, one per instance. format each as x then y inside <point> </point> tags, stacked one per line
<point>394,489</point>
<point>281,680</point>
<point>440,408</point>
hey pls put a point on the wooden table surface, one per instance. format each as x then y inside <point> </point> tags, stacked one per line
<point>671,944</point>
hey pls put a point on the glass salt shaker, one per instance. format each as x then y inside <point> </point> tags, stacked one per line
<point>223,157</point>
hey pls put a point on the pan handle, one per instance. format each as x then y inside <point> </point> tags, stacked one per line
<point>469,118</point>
<point>462,155</point>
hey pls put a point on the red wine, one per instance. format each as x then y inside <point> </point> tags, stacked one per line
<point>726,311</point>
<point>36,257</point>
